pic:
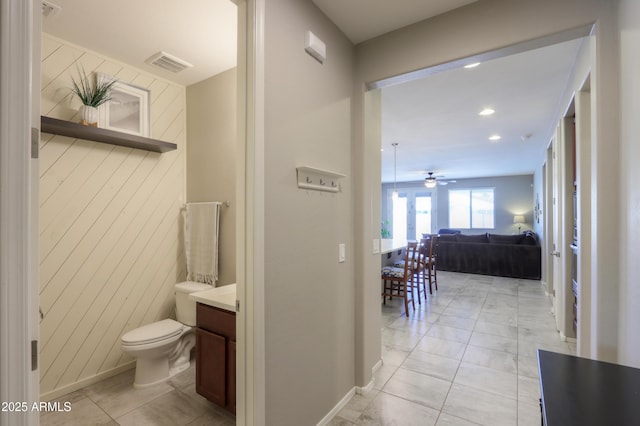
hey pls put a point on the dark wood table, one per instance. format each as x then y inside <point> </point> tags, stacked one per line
<point>582,392</point>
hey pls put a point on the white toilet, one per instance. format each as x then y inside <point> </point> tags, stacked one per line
<point>163,348</point>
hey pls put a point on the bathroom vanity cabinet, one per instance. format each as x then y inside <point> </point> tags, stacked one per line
<point>216,355</point>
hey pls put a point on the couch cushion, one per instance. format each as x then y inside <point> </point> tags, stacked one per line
<point>480,238</point>
<point>447,238</point>
<point>530,238</point>
<point>505,239</point>
<point>442,231</point>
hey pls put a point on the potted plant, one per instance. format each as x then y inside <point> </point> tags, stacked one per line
<point>91,96</point>
<point>385,230</point>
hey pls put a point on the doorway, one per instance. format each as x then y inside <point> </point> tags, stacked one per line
<point>410,213</point>
<point>19,22</point>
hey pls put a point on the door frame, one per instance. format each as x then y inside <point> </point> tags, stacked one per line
<point>19,113</point>
<point>556,240</point>
<point>250,199</point>
<point>19,287</point>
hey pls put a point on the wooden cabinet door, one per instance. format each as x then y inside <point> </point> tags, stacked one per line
<point>231,376</point>
<point>211,357</point>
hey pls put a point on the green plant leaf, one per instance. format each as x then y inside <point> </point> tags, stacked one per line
<point>92,95</point>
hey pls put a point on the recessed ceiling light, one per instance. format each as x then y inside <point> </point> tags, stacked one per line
<point>487,111</point>
<point>473,65</point>
<point>495,138</point>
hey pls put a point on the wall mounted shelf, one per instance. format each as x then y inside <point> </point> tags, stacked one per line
<point>80,131</point>
<point>318,179</point>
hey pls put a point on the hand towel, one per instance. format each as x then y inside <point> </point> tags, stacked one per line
<point>201,241</point>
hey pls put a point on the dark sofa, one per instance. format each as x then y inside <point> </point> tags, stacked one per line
<point>515,256</point>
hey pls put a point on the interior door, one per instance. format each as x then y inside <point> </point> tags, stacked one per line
<point>556,254</point>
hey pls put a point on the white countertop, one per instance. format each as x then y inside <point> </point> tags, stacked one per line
<point>220,297</point>
<point>388,245</point>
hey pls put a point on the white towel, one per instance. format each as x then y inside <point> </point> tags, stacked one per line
<point>201,241</point>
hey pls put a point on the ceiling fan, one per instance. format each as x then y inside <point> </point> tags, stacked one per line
<point>431,180</point>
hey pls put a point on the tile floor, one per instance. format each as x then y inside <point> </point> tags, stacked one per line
<point>467,356</point>
<point>464,357</point>
<point>114,401</point>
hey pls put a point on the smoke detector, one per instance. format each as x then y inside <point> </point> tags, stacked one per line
<point>49,10</point>
<point>168,62</point>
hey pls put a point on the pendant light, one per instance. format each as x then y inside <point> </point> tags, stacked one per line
<point>394,195</point>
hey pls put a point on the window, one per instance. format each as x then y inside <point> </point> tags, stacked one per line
<point>422,215</point>
<point>400,217</point>
<point>471,208</point>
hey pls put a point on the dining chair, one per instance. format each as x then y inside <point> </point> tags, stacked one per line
<point>399,281</point>
<point>422,272</point>
<point>417,270</point>
<point>431,263</point>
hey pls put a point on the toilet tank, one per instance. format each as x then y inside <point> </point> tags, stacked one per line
<point>185,307</point>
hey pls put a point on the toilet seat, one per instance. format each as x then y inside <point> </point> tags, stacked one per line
<point>154,332</point>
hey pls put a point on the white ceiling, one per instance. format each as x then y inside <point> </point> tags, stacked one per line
<point>361,20</point>
<point>434,119</point>
<point>201,32</point>
<point>436,123</point>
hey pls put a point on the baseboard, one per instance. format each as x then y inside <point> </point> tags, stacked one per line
<point>345,400</point>
<point>86,382</point>
<point>360,390</point>
<point>543,283</point>
<point>567,339</point>
<point>339,406</point>
<point>376,367</point>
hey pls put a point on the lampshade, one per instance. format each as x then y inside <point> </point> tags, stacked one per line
<point>430,182</point>
<point>518,218</point>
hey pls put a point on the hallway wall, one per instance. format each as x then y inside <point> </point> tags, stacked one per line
<point>309,295</point>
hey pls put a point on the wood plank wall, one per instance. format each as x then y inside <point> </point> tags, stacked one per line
<point>110,227</point>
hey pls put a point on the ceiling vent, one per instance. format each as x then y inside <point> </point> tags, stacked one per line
<point>168,62</point>
<point>49,9</point>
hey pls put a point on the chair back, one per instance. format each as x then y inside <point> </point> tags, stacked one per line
<point>424,245</point>
<point>433,247</point>
<point>411,257</point>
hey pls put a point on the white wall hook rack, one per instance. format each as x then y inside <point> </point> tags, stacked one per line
<point>318,179</point>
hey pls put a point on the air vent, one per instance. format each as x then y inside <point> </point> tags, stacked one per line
<point>49,9</point>
<point>168,62</point>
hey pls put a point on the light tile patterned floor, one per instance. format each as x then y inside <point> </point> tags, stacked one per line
<point>464,357</point>
<point>467,356</point>
<point>114,401</point>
